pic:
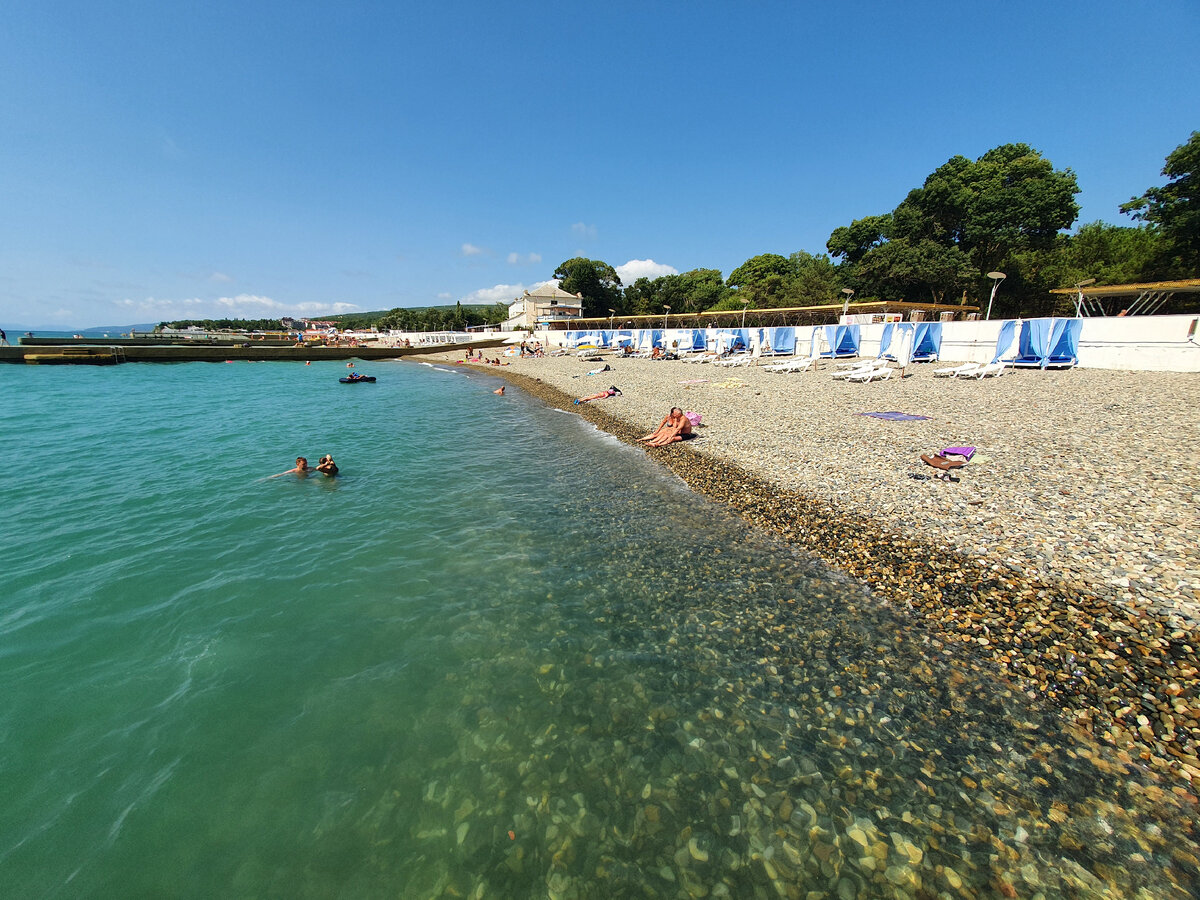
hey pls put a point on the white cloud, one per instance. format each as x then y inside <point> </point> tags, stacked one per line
<point>643,268</point>
<point>219,277</point>
<point>471,250</point>
<point>582,229</point>
<point>528,259</point>
<point>248,306</point>
<point>497,293</point>
<point>445,295</point>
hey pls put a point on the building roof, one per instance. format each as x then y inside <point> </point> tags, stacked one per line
<point>551,291</point>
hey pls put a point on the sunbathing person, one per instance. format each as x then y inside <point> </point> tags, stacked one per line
<point>674,427</point>
<point>608,392</point>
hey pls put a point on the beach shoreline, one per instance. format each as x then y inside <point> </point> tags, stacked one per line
<point>1117,657</point>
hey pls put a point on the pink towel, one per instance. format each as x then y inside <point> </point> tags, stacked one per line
<point>694,417</point>
<point>966,452</point>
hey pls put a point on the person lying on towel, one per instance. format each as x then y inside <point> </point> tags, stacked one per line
<point>608,392</point>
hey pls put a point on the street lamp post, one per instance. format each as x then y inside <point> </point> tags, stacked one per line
<point>666,309</point>
<point>745,303</point>
<point>611,313</point>
<point>996,277</point>
<point>849,292</point>
<point>1079,295</point>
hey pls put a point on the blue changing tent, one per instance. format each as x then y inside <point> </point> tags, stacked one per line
<point>927,342</point>
<point>778,340</point>
<point>684,339</point>
<point>1004,340</point>
<point>926,339</point>
<point>842,340</point>
<point>731,340</point>
<point>1063,346</point>
<point>1041,343</point>
<point>649,338</point>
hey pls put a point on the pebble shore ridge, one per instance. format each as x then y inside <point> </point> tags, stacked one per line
<point>1065,558</point>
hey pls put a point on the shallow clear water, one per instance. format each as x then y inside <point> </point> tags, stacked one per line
<point>501,655</point>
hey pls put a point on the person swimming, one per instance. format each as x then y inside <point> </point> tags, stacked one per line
<point>326,466</point>
<point>302,470</point>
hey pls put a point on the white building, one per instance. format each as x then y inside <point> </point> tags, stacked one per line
<point>548,303</point>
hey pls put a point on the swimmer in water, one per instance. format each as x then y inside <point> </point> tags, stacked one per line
<point>326,466</point>
<point>300,470</point>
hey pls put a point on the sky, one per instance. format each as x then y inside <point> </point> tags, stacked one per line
<point>162,161</point>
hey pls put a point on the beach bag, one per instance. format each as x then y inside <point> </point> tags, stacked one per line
<point>694,417</point>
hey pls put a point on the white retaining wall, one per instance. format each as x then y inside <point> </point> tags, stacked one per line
<point>1133,343</point>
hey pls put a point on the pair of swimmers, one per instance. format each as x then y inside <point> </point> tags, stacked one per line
<point>325,465</point>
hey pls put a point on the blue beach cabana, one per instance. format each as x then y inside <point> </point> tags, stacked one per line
<point>1048,343</point>
<point>684,339</point>
<point>1062,347</point>
<point>1004,340</point>
<point>733,340</point>
<point>842,341</point>
<point>927,342</point>
<point>776,341</point>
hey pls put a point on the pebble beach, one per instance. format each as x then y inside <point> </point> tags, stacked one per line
<point>1064,557</point>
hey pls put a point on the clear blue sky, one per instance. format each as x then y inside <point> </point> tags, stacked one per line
<point>163,160</point>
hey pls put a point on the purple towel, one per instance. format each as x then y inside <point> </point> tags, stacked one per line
<point>895,416</point>
<point>966,452</point>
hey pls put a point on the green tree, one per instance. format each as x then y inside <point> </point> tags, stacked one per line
<point>597,281</point>
<point>701,289</point>
<point>981,213</point>
<point>851,242</point>
<point>814,280</point>
<point>762,281</point>
<point>922,269</point>
<point>1009,199</point>
<point>1174,209</point>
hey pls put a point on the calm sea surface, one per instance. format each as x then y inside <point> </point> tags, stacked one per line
<point>502,655</point>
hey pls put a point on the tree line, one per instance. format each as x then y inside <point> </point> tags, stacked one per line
<point>1007,211</point>
<point>430,318</point>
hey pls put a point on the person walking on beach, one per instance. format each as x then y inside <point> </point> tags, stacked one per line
<point>674,427</point>
<point>301,468</point>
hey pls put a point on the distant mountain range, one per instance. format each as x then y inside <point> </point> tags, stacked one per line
<point>99,329</point>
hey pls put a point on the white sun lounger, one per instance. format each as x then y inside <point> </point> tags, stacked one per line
<point>794,365</point>
<point>862,368</point>
<point>991,370</point>
<point>957,371</point>
<point>741,359</point>
<point>882,373</point>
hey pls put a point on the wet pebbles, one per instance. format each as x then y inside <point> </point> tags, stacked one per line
<point>1065,559</point>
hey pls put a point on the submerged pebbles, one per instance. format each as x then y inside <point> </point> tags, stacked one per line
<point>938,724</point>
<point>1067,557</point>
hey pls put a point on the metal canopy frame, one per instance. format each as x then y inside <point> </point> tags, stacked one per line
<point>1148,298</point>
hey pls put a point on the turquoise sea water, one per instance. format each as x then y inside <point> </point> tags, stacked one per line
<point>501,655</point>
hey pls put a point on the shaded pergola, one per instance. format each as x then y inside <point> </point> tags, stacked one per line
<point>823,314</point>
<point>1129,299</point>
